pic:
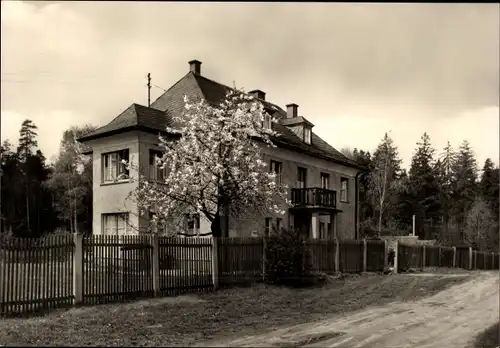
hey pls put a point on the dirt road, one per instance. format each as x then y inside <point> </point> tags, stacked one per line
<point>451,318</point>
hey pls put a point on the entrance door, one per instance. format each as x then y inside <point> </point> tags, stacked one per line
<point>302,222</point>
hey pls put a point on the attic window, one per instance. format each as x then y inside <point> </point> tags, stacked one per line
<point>266,123</point>
<point>307,135</point>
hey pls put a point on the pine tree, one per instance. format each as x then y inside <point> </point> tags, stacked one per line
<point>423,184</point>
<point>464,184</point>
<point>489,187</point>
<point>27,139</point>
<point>444,173</point>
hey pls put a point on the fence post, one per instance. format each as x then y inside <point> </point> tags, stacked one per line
<point>475,259</point>
<point>396,246</point>
<point>155,244</point>
<point>454,262</point>
<point>423,257</point>
<point>337,255</point>
<point>2,278</point>
<point>365,254</point>
<point>386,255</point>
<point>78,269</point>
<point>264,259</point>
<point>215,262</point>
<point>470,258</point>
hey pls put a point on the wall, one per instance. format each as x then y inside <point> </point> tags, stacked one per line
<point>411,240</point>
<point>112,198</point>
<point>255,222</point>
<point>148,141</point>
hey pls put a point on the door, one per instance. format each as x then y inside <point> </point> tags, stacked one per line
<point>302,223</point>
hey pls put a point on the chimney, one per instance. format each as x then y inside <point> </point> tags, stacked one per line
<point>292,110</point>
<point>257,93</point>
<point>195,66</point>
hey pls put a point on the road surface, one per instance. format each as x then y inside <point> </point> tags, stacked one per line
<point>451,318</point>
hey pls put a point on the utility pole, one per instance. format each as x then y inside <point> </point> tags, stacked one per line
<point>149,89</point>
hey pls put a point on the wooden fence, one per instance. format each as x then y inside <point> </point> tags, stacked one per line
<point>65,270</point>
<point>422,256</point>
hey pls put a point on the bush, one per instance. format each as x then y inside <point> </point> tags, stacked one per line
<point>288,259</point>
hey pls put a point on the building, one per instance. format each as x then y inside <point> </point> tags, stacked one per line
<point>322,181</point>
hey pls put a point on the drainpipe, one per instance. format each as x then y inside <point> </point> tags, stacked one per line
<point>356,202</point>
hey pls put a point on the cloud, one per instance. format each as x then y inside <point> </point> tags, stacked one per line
<point>479,127</point>
<point>354,69</point>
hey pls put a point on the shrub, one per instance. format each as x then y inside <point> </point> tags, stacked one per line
<point>288,259</point>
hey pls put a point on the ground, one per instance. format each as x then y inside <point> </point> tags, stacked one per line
<point>371,311</point>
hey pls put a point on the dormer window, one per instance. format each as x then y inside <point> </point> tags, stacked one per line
<point>307,135</point>
<point>266,123</point>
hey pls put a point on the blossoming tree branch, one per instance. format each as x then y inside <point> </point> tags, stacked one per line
<point>214,165</point>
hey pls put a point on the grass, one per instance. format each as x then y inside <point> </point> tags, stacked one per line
<point>186,320</point>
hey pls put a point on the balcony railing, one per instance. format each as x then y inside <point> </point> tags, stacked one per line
<point>314,197</point>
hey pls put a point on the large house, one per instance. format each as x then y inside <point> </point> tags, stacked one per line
<point>323,182</point>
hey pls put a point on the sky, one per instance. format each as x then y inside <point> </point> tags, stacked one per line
<point>355,70</point>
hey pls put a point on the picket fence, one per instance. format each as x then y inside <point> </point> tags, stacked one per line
<point>66,270</point>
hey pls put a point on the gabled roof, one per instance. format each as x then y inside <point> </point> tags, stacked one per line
<point>196,87</point>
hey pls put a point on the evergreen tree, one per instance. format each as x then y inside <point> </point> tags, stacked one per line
<point>444,173</point>
<point>489,187</point>
<point>464,184</point>
<point>27,139</point>
<point>423,184</point>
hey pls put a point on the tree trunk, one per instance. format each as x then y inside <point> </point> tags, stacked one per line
<point>27,208</point>
<point>379,229</point>
<point>215,227</point>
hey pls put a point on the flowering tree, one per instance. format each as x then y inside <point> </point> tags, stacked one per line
<point>213,165</point>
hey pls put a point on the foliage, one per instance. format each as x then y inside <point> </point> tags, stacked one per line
<point>288,259</point>
<point>384,177</point>
<point>214,166</point>
<point>489,187</point>
<point>481,231</point>
<point>71,180</point>
<point>421,194</point>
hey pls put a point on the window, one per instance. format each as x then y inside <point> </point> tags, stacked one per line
<point>114,224</point>
<point>344,189</point>
<point>192,223</point>
<point>279,224</point>
<point>112,167</point>
<point>325,181</point>
<point>276,168</point>
<point>301,177</point>
<point>307,135</point>
<point>156,173</point>
<point>267,123</point>
<point>267,229</point>
<point>157,228</point>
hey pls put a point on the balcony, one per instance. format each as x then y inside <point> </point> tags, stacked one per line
<point>314,197</point>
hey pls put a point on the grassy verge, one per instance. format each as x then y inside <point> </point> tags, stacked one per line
<point>186,320</point>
